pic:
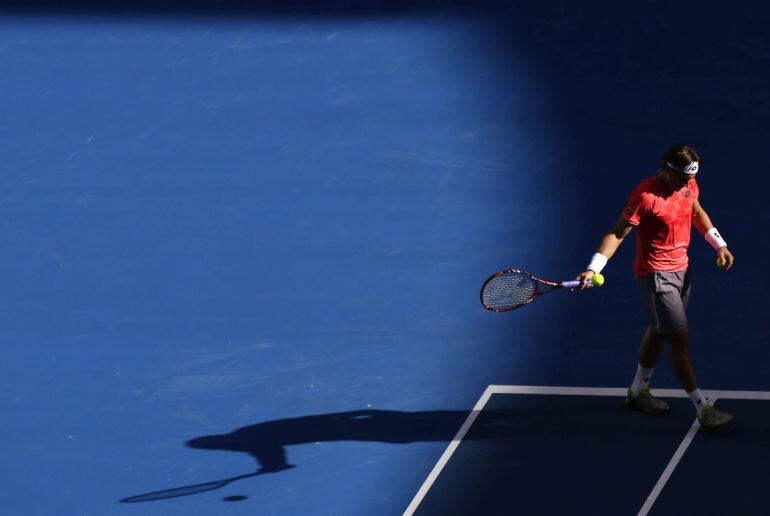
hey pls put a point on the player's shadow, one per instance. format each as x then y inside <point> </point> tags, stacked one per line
<point>267,441</point>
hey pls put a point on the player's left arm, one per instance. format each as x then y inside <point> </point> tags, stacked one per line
<point>700,218</point>
<point>706,228</point>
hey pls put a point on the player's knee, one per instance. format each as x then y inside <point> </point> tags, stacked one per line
<point>679,341</point>
<point>657,339</point>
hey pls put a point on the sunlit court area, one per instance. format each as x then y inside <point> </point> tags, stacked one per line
<point>243,245</point>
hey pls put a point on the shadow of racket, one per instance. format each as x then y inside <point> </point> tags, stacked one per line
<point>186,490</point>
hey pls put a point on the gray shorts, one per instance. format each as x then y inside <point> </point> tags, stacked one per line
<point>665,296</point>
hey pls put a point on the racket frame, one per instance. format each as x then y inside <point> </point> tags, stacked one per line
<point>539,281</point>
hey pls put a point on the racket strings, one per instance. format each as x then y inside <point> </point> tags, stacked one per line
<point>508,291</point>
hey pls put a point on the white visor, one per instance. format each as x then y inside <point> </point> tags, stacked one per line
<point>690,169</point>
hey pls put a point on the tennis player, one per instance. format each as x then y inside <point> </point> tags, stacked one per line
<point>663,208</point>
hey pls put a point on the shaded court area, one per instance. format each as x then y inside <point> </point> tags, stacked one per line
<point>555,441</point>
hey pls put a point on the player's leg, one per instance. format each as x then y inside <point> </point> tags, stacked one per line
<point>639,396</point>
<point>678,350</point>
<point>710,418</point>
<point>679,344</point>
<point>650,349</point>
<point>649,352</point>
<point>668,294</point>
<point>679,334</point>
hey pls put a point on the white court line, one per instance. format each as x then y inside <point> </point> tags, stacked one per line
<point>448,452</point>
<point>672,464</point>
<point>575,391</point>
<point>612,391</point>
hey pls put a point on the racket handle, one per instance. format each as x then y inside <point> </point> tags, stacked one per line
<point>573,284</point>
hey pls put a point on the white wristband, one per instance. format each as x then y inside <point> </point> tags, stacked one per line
<point>713,237</point>
<point>598,261</point>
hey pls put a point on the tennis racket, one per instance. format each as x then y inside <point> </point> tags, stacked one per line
<point>508,290</point>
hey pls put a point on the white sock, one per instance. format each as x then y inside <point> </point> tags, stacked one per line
<point>641,380</point>
<point>698,399</point>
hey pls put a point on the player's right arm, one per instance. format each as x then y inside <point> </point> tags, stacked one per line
<point>608,245</point>
<point>612,240</point>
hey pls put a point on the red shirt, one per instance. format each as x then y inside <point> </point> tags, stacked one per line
<point>663,220</point>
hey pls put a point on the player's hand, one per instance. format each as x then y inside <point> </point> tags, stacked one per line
<point>725,258</point>
<point>585,279</point>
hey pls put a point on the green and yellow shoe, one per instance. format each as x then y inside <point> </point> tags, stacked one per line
<point>712,419</point>
<point>646,402</point>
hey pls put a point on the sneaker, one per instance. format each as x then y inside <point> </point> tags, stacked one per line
<point>712,419</point>
<point>646,402</point>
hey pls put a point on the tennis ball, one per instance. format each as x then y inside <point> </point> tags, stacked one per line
<point>597,280</point>
<point>721,263</point>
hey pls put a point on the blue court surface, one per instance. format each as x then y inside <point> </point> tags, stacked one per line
<point>243,241</point>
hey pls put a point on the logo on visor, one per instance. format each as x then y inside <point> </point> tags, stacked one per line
<point>691,169</point>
